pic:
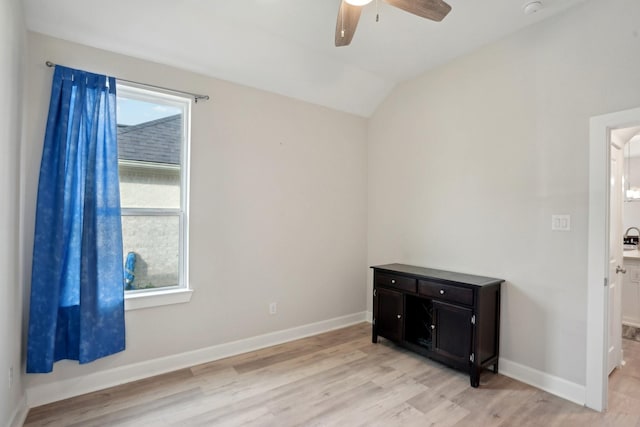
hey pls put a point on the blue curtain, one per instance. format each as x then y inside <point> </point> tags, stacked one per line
<point>77,291</point>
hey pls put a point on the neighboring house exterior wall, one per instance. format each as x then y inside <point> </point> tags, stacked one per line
<point>150,178</point>
<point>154,239</point>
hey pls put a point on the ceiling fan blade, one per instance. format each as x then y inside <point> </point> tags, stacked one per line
<point>435,10</point>
<point>348,17</point>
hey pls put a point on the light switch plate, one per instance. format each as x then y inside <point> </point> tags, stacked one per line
<point>561,222</point>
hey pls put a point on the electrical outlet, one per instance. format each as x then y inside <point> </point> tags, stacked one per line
<point>273,308</point>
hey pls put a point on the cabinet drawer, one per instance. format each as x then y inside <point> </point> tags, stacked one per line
<point>398,282</point>
<point>446,292</point>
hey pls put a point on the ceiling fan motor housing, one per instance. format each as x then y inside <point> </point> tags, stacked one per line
<point>349,14</point>
<point>532,6</point>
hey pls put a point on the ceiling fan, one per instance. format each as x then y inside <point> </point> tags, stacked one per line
<point>349,14</point>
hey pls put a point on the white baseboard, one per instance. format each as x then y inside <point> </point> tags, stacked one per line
<point>48,393</point>
<point>369,316</point>
<point>560,387</point>
<point>631,323</point>
<point>19,414</point>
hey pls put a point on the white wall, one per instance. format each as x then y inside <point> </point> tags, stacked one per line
<point>12,34</point>
<point>278,197</point>
<point>468,162</point>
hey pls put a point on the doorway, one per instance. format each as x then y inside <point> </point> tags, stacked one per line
<point>628,228</point>
<point>599,253</point>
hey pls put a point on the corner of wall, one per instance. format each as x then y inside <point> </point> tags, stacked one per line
<point>13,407</point>
<point>20,413</point>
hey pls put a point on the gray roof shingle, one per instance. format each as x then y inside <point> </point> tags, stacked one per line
<point>157,141</point>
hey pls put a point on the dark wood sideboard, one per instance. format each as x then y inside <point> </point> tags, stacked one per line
<point>453,318</point>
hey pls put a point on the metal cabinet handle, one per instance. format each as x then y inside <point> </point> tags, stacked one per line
<point>399,316</point>
<point>433,326</point>
<point>393,281</point>
<point>621,270</point>
<point>441,291</point>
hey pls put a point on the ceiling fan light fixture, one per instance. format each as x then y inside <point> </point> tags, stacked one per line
<point>358,2</point>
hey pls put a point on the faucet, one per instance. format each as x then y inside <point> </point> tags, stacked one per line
<point>626,233</point>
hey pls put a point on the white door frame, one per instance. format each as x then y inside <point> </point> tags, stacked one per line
<point>598,251</point>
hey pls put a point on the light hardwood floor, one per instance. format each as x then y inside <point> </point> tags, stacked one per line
<point>338,379</point>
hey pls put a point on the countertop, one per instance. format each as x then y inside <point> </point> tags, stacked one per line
<point>632,254</point>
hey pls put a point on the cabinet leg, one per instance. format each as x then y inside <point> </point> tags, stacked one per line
<point>374,336</point>
<point>475,377</point>
<point>495,367</point>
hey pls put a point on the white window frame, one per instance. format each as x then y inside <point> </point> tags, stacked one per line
<point>181,293</point>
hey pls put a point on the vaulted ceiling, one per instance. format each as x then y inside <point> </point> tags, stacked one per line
<point>286,46</point>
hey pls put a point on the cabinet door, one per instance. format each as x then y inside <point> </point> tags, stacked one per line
<point>452,332</point>
<point>390,314</point>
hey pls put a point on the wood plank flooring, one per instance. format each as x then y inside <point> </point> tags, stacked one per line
<point>338,379</point>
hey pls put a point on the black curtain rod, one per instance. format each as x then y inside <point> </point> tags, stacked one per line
<point>196,97</point>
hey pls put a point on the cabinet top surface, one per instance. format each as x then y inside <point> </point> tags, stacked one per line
<point>633,254</point>
<point>430,273</point>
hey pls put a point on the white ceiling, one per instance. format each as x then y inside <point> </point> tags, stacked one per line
<point>286,46</point>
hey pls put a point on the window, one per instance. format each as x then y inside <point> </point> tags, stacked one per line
<point>153,154</point>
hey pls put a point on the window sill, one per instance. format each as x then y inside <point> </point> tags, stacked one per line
<point>158,298</point>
